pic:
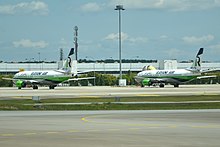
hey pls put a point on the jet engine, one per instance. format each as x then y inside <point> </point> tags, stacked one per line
<point>20,84</point>
<point>146,82</point>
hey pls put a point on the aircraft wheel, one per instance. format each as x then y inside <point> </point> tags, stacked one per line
<point>52,87</point>
<point>35,87</point>
<point>176,85</point>
<point>161,85</point>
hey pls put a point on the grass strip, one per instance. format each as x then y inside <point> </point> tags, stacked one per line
<point>108,105</point>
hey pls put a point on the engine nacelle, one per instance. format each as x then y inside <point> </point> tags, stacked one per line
<point>146,82</point>
<point>21,84</point>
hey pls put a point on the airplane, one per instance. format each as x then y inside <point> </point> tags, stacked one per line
<point>50,78</point>
<point>150,76</point>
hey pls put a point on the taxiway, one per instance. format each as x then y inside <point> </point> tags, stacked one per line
<point>191,128</point>
<point>107,91</point>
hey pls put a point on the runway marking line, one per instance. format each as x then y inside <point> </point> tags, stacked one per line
<point>7,135</point>
<point>154,127</point>
<point>30,133</point>
<point>207,127</point>
<point>84,119</point>
<point>148,126</point>
<point>21,97</point>
<point>72,131</point>
<point>52,132</point>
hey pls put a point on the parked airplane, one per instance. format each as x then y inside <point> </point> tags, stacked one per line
<point>50,78</point>
<point>151,76</point>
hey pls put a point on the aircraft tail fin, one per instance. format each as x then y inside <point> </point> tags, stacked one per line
<point>197,62</point>
<point>69,64</point>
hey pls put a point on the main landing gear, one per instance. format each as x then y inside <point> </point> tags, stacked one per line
<point>52,86</point>
<point>35,87</point>
<point>161,85</point>
<point>176,85</point>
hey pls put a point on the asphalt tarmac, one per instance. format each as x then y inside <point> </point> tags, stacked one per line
<point>107,91</point>
<point>184,128</point>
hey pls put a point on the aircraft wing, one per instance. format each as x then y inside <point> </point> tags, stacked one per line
<point>205,77</point>
<point>170,80</point>
<point>9,79</point>
<point>213,70</point>
<point>159,80</point>
<point>29,82</point>
<point>163,80</point>
<point>32,81</point>
<point>86,71</point>
<point>77,79</point>
<point>209,73</point>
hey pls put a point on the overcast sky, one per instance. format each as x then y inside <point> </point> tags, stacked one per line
<point>151,29</point>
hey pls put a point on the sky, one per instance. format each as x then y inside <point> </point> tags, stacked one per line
<point>151,29</point>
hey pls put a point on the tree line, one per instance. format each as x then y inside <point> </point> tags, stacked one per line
<point>104,79</point>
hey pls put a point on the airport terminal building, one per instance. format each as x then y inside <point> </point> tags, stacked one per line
<point>101,67</point>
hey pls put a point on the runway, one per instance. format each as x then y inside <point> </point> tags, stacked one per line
<point>191,128</point>
<point>107,91</point>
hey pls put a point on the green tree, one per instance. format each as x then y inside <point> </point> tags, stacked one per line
<point>129,78</point>
<point>100,80</point>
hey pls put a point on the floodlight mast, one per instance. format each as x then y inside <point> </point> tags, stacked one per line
<point>119,8</point>
<point>76,41</point>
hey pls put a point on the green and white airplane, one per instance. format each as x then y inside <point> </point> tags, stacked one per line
<point>175,77</point>
<point>49,78</point>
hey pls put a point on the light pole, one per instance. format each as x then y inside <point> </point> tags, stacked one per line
<point>38,56</point>
<point>119,8</point>
<point>39,59</point>
<point>76,41</point>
